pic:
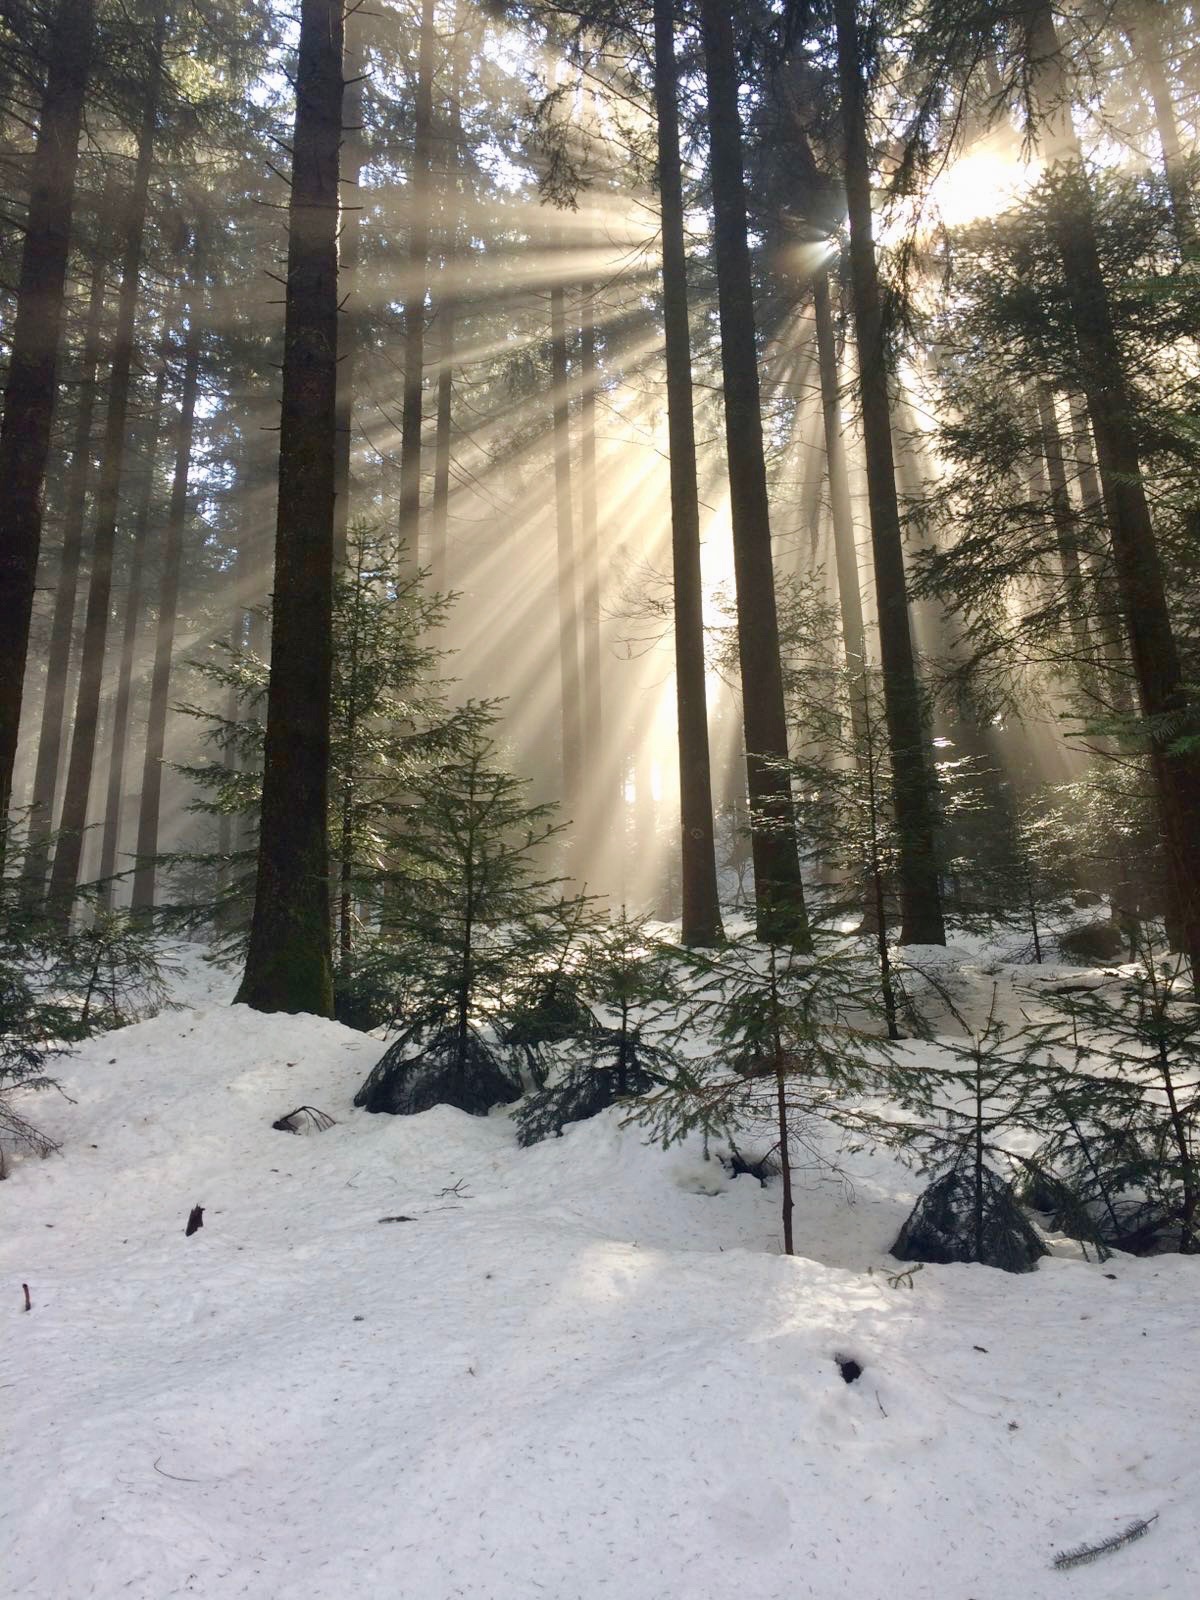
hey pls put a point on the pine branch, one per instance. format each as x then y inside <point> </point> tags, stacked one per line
<point>1084,1553</point>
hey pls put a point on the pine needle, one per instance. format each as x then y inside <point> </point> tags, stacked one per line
<point>1084,1553</point>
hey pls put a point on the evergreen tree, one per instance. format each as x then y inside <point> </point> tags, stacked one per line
<point>624,1049</point>
<point>792,1043</point>
<point>289,965</point>
<point>469,929</point>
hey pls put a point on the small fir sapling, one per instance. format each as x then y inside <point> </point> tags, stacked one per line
<point>1127,1148</point>
<point>792,1044</point>
<point>469,928</point>
<point>988,1082</point>
<point>630,982</point>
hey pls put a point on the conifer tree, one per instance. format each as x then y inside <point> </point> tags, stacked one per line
<point>468,929</point>
<point>32,381</point>
<point>289,963</point>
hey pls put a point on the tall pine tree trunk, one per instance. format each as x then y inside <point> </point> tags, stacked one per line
<point>69,850</point>
<point>164,634</point>
<point>62,623</point>
<point>912,788</point>
<point>114,803</point>
<point>778,890</point>
<point>414,296</point>
<point>289,964</point>
<point>1173,724</point>
<point>698,866</point>
<point>32,384</point>
<point>348,253</point>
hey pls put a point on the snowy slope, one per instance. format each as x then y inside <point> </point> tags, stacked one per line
<point>580,1371</point>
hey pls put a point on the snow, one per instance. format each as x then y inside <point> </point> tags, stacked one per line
<point>581,1370</point>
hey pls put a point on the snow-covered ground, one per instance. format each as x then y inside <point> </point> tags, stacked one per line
<point>575,1372</point>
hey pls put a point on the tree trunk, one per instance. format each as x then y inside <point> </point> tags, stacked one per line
<point>1066,536</point>
<point>69,850</point>
<point>439,509</point>
<point>133,616</point>
<point>62,624</point>
<point>348,253</point>
<point>289,964</point>
<point>698,864</point>
<point>912,788</point>
<point>164,635</point>
<point>1145,39</point>
<point>778,890</point>
<point>414,297</point>
<point>589,532</point>
<point>568,611</point>
<point>844,543</point>
<point>1173,724</point>
<point>32,385</point>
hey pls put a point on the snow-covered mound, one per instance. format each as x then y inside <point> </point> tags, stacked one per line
<point>403,1358</point>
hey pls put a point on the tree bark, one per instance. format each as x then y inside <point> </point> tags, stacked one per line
<point>701,909</point>
<point>844,543</point>
<point>348,253</point>
<point>912,789</point>
<point>1173,725</point>
<point>62,624</point>
<point>414,296</point>
<point>1145,38</point>
<point>164,633</point>
<point>289,964</point>
<point>32,384</point>
<point>778,889</point>
<point>119,731</point>
<point>69,849</point>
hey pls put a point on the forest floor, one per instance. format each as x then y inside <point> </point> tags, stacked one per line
<point>406,1359</point>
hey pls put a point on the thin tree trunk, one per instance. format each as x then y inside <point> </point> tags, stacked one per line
<point>32,384</point>
<point>698,864</point>
<point>164,633</point>
<point>62,624</point>
<point>1066,535</point>
<point>289,964</point>
<point>589,532</point>
<point>447,309</point>
<point>1145,39</point>
<point>69,850</point>
<point>1164,699</point>
<point>133,617</point>
<point>439,509</point>
<point>348,253</point>
<point>844,544</point>
<point>414,296</point>
<point>568,611</point>
<point>917,873</point>
<point>778,889</point>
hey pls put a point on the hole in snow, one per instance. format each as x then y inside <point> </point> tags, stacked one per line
<point>850,1369</point>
